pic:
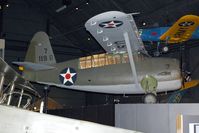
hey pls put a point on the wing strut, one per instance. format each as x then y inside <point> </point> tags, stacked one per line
<point>131,60</point>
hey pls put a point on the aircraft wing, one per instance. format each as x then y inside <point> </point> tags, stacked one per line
<point>182,30</point>
<point>10,75</point>
<point>108,29</point>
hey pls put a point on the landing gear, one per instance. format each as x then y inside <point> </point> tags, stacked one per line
<point>150,98</point>
<point>149,85</point>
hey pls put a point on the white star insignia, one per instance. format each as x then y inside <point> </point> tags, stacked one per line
<point>68,76</point>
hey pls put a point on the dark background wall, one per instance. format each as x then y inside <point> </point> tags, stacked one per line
<point>103,114</point>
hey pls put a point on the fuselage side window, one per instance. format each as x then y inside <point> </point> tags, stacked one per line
<point>100,60</point>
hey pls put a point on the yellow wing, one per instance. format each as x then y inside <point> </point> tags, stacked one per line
<point>181,30</point>
<point>190,84</point>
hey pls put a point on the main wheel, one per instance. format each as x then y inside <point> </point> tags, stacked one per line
<point>150,98</point>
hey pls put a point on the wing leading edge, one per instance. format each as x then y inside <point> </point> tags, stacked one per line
<point>108,29</point>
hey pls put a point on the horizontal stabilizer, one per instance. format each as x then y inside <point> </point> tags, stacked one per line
<point>33,66</point>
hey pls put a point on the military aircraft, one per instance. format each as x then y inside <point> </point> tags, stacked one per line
<point>182,30</point>
<point>125,68</point>
<point>154,34</point>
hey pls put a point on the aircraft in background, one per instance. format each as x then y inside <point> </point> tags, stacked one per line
<point>154,34</point>
<point>182,30</point>
<point>125,68</point>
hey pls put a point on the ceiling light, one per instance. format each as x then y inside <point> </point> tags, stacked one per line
<point>143,23</point>
<point>61,8</point>
<point>76,8</point>
<point>87,1</point>
<point>65,3</point>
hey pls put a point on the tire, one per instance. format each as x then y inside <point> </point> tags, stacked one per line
<point>150,98</point>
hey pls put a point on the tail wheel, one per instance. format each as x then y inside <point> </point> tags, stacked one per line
<point>150,98</point>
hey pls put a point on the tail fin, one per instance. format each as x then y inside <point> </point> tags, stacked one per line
<point>40,50</point>
<point>39,56</point>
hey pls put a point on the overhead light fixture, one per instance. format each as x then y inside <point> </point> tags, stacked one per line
<point>65,4</point>
<point>144,23</point>
<point>61,9</point>
<point>3,4</point>
<point>87,1</point>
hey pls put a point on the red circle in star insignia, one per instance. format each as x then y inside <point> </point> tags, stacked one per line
<point>111,24</point>
<point>67,76</point>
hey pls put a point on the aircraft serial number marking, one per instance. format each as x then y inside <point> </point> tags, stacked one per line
<point>45,58</point>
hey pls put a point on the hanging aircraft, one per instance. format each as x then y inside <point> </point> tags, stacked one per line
<point>182,30</point>
<point>16,115</point>
<point>125,68</point>
<point>154,34</point>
